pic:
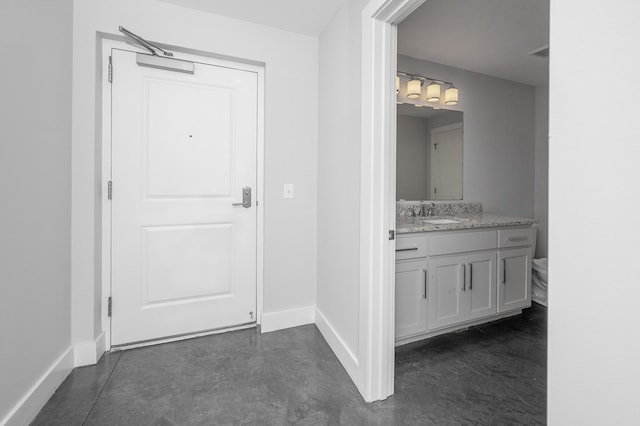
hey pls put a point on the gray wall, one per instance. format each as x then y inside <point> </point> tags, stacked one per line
<point>35,153</point>
<point>412,158</point>
<point>498,137</point>
<point>290,144</point>
<point>338,282</point>
<point>542,169</point>
<point>593,337</point>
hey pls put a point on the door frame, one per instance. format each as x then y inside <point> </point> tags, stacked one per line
<point>377,197</point>
<point>109,42</point>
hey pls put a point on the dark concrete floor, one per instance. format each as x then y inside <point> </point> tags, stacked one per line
<point>493,374</point>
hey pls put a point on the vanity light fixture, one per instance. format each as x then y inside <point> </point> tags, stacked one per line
<point>451,96</point>
<point>434,90</point>
<point>414,88</point>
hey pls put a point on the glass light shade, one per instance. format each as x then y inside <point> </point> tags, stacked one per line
<point>414,89</point>
<point>433,92</point>
<point>451,96</point>
<point>397,84</point>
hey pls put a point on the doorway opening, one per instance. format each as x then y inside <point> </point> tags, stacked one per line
<point>379,168</point>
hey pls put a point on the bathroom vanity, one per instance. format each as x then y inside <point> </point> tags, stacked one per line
<point>458,270</point>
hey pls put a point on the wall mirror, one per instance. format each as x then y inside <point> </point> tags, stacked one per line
<point>429,148</point>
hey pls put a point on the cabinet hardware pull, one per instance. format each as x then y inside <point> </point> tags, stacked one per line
<point>464,277</point>
<point>516,239</point>
<point>470,276</point>
<point>426,283</point>
<point>504,271</point>
<point>407,249</point>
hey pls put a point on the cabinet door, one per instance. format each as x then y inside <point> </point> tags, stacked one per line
<point>411,286</point>
<point>514,281</point>
<point>446,281</point>
<point>481,285</point>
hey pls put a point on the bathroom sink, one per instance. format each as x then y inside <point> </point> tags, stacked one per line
<point>440,221</point>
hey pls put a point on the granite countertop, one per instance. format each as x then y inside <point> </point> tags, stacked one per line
<point>406,224</point>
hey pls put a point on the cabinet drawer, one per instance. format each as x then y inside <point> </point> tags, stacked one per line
<point>411,247</point>
<point>515,237</point>
<point>461,242</point>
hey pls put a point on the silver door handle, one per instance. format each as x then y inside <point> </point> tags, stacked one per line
<point>407,249</point>
<point>246,198</point>
<point>470,276</point>
<point>504,271</point>
<point>464,277</point>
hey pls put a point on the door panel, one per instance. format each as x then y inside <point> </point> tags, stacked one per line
<point>410,316</point>
<point>446,277</point>
<point>482,284</point>
<point>514,288</point>
<point>183,146</point>
<point>197,257</point>
<point>446,163</point>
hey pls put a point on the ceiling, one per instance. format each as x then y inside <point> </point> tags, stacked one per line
<point>492,37</point>
<point>299,16</point>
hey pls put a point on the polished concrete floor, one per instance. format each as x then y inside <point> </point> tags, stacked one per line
<point>493,374</point>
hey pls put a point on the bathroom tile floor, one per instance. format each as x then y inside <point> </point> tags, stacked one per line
<point>494,374</point>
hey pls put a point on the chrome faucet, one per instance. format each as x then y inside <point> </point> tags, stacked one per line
<point>430,210</point>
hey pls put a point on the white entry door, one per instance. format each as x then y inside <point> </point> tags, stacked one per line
<point>446,162</point>
<point>183,148</point>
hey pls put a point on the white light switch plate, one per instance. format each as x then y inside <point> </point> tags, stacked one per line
<point>288,190</point>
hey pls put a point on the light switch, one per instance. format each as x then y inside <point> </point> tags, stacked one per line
<point>288,190</point>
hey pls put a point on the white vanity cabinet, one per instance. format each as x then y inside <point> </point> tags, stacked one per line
<point>447,280</point>
<point>411,297</point>
<point>514,278</point>
<point>462,287</point>
<point>411,286</point>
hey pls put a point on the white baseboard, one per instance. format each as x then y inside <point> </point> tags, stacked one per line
<point>337,344</point>
<point>32,402</point>
<point>273,321</point>
<point>89,352</point>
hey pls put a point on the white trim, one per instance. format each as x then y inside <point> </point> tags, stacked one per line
<point>337,344</point>
<point>377,202</point>
<point>105,114</point>
<point>32,402</point>
<point>272,321</point>
<point>89,352</point>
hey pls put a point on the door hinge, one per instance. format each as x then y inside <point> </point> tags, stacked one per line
<point>110,72</point>
<point>109,306</point>
<point>392,235</point>
<point>109,190</point>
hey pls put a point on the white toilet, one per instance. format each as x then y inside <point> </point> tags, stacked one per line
<point>540,281</point>
<point>539,274</point>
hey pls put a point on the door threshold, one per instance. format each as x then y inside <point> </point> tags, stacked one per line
<point>179,337</point>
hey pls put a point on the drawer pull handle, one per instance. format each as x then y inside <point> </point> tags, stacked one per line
<point>504,271</point>
<point>407,249</point>
<point>517,239</point>
<point>426,284</point>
